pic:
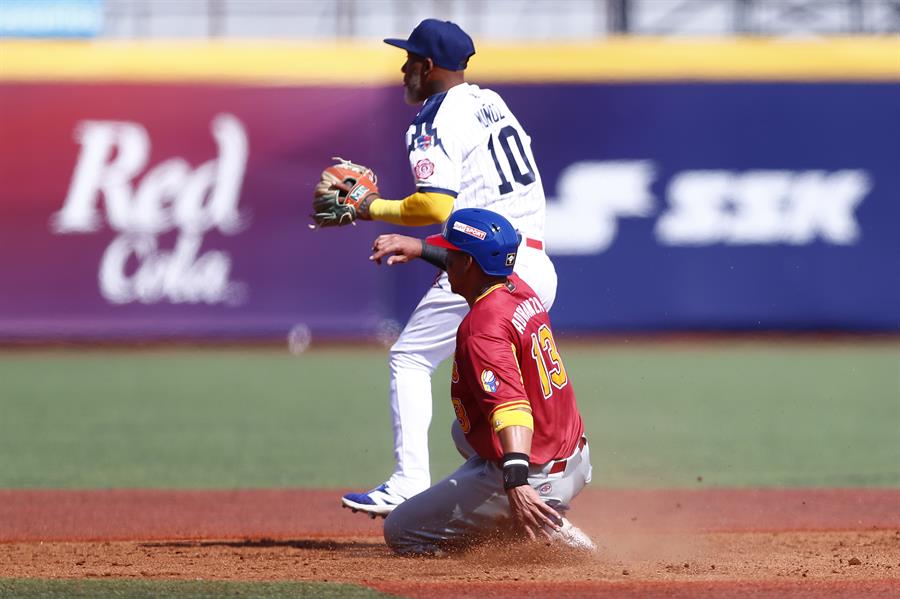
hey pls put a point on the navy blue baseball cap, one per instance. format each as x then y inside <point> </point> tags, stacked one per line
<point>485,235</point>
<point>443,42</point>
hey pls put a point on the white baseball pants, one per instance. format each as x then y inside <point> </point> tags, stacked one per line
<point>428,339</point>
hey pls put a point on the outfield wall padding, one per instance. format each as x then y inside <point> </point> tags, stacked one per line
<point>131,209</point>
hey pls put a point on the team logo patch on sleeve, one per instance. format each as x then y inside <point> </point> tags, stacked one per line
<point>422,138</point>
<point>454,374</point>
<point>489,381</point>
<point>423,169</point>
<point>423,142</point>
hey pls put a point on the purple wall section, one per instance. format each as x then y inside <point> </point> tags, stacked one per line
<point>131,211</point>
<point>136,210</point>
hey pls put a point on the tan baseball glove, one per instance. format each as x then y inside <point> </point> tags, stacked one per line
<point>343,194</point>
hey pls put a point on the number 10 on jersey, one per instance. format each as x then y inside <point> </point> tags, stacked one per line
<point>521,170</point>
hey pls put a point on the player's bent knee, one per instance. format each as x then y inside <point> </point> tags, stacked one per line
<point>403,536</point>
<point>393,531</point>
<point>398,536</point>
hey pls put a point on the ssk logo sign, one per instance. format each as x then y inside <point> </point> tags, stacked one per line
<point>112,185</point>
<point>705,207</point>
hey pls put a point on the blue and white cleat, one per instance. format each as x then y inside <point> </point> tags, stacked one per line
<point>380,501</point>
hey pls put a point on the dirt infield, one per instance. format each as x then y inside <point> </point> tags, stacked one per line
<point>710,543</point>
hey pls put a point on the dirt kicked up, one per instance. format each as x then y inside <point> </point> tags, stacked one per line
<point>709,543</point>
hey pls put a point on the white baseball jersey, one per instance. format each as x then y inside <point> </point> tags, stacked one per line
<point>466,143</point>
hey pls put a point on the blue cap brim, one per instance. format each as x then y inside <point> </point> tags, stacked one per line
<point>397,42</point>
<point>405,45</point>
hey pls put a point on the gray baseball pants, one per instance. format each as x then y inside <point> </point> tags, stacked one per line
<point>471,505</point>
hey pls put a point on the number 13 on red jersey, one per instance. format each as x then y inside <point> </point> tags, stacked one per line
<point>549,364</point>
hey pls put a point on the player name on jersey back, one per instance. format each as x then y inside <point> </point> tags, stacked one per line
<point>489,114</point>
<point>524,311</point>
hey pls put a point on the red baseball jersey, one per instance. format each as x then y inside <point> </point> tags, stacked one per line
<point>506,356</point>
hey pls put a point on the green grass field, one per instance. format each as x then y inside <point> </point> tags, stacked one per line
<point>183,589</point>
<point>657,415</point>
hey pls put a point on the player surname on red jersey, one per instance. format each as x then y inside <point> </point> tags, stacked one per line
<point>525,311</point>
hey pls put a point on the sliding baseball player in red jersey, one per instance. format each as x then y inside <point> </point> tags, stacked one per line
<point>517,421</point>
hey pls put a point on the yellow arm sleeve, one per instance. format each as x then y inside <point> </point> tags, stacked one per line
<point>421,208</point>
<point>514,416</point>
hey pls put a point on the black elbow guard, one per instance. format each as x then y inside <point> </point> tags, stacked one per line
<point>434,255</point>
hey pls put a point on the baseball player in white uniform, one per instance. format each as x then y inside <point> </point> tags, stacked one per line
<point>466,150</point>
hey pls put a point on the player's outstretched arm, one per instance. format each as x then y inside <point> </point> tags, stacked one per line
<point>347,192</point>
<point>400,249</point>
<point>419,209</point>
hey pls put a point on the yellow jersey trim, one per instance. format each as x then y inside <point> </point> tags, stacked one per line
<point>489,291</point>
<point>519,366</point>
<point>511,405</point>
<point>512,417</point>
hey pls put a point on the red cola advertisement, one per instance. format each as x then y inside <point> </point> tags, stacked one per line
<point>172,210</point>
